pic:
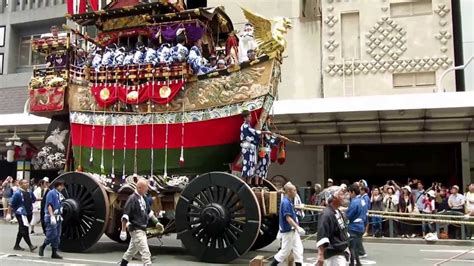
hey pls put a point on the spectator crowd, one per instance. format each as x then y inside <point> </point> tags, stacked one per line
<point>412,197</point>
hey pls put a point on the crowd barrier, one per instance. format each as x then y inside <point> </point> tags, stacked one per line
<point>441,220</point>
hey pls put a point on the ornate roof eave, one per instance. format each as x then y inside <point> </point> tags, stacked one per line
<point>215,17</point>
<point>90,18</point>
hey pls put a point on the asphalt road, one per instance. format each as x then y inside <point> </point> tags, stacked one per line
<point>107,252</point>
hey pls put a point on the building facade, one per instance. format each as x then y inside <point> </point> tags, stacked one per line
<point>346,57</point>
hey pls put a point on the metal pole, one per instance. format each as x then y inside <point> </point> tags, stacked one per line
<point>390,227</point>
<point>443,75</point>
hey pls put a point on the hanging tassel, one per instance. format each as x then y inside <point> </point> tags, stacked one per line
<point>185,35</point>
<point>79,167</point>
<point>160,36</point>
<point>165,172</point>
<point>181,157</point>
<point>281,153</point>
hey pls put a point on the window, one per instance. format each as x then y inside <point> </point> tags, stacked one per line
<point>27,57</point>
<point>411,80</point>
<point>1,63</point>
<point>2,35</point>
<point>350,32</point>
<point>411,8</point>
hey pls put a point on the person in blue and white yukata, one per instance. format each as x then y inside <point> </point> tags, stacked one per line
<point>267,142</point>
<point>53,219</point>
<point>119,56</point>
<point>249,139</point>
<point>150,54</point>
<point>197,61</point>
<point>97,59</point>
<point>164,54</point>
<point>139,56</point>
<point>108,57</point>
<point>179,52</point>
<point>129,54</point>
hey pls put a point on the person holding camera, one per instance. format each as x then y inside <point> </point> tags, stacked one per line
<point>6,198</point>
<point>418,195</point>
<point>429,208</point>
<point>376,205</point>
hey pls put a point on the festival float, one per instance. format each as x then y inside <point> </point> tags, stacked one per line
<point>165,120</point>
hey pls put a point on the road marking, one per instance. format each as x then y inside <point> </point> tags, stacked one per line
<point>37,259</point>
<point>312,261</point>
<point>41,261</point>
<point>455,260</point>
<point>446,250</point>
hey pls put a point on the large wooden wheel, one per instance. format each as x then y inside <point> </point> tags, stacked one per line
<point>85,211</point>
<point>270,225</point>
<point>217,217</point>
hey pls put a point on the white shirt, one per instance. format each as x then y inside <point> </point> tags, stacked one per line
<point>37,203</point>
<point>470,201</point>
<point>456,201</point>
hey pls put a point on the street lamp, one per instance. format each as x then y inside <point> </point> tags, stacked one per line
<point>11,144</point>
<point>443,75</point>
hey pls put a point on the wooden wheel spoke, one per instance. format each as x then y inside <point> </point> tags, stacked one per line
<point>194,214</point>
<point>220,242</point>
<point>238,222</point>
<point>199,202</point>
<point>222,192</point>
<point>215,193</point>
<point>208,193</point>
<point>196,229</point>
<point>231,234</point>
<point>197,208</point>
<point>228,196</point>
<point>213,242</point>
<point>236,208</point>
<point>205,239</point>
<point>204,198</point>
<point>235,228</point>
<point>234,201</point>
<point>226,239</point>
<point>196,221</point>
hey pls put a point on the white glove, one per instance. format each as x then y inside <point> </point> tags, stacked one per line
<point>160,227</point>
<point>301,231</point>
<point>53,220</point>
<point>123,235</point>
